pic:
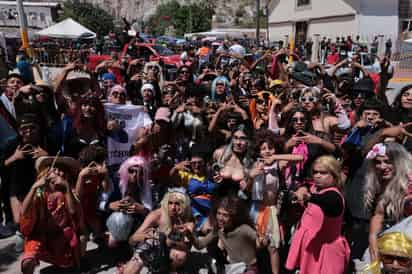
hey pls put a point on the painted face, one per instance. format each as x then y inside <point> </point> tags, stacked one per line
<point>175,206</point>
<point>266,150</point>
<point>299,121</point>
<point>406,99</point>
<point>240,142</point>
<point>321,176</point>
<point>223,218</point>
<point>384,168</point>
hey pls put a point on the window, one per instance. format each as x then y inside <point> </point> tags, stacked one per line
<point>42,17</point>
<point>33,16</point>
<point>302,3</point>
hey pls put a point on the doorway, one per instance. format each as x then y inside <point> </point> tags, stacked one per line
<point>301,31</point>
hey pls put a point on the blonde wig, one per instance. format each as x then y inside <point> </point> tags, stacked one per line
<point>333,166</point>
<point>184,200</point>
<point>391,197</point>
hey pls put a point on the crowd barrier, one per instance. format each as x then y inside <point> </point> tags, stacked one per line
<point>56,57</point>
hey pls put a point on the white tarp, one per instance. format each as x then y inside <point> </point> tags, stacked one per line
<point>67,29</point>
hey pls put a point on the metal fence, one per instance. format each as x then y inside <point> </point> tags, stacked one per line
<point>56,57</point>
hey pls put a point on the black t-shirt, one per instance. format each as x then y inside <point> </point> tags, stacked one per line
<point>330,202</point>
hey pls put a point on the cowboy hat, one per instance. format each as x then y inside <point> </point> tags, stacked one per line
<point>46,161</point>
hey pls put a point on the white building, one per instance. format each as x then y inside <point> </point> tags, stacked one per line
<point>332,18</point>
<point>39,15</point>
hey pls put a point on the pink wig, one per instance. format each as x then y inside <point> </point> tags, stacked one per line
<point>146,193</point>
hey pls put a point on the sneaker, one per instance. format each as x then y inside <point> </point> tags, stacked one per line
<point>5,232</point>
<point>19,242</point>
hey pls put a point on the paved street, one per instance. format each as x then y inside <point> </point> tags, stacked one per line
<point>103,262</point>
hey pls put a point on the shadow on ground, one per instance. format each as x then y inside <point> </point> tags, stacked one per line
<point>7,256</point>
<point>96,261</point>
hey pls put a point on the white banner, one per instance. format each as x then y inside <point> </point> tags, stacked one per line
<point>130,118</point>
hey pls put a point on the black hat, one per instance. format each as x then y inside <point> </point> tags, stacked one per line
<point>201,150</point>
<point>27,118</point>
<point>302,74</point>
<point>364,86</point>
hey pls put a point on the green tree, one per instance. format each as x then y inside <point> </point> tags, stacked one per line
<point>89,15</point>
<point>194,17</point>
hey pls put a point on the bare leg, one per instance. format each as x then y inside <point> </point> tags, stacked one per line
<point>15,208</point>
<point>111,242</point>
<point>133,266</point>
<point>274,259</point>
<point>83,244</point>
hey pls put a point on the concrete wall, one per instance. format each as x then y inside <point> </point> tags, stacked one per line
<point>333,27</point>
<point>379,17</point>
<point>286,10</point>
<point>277,32</point>
<point>337,17</point>
<point>37,16</point>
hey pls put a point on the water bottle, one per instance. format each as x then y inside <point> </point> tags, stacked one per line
<point>46,74</point>
<point>257,191</point>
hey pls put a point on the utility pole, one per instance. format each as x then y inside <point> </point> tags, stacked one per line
<point>257,22</point>
<point>267,23</point>
<point>23,27</point>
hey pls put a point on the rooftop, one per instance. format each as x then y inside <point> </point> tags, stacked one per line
<point>31,4</point>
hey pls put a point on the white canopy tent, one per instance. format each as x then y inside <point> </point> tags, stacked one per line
<point>67,29</point>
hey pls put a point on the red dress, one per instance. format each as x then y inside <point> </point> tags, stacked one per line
<point>51,231</point>
<point>318,246</point>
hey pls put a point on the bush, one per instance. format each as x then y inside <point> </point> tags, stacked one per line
<point>194,17</point>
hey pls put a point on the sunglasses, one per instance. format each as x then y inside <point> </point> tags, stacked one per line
<point>118,94</point>
<point>185,72</point>
<point>133,170</point>
<point>402,261</point>
<point>261,102</point>
<point>359,95</point>
<point>298,119</point>
<point>308,99</point>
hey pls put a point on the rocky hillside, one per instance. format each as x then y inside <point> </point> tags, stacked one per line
<point>227,12</point>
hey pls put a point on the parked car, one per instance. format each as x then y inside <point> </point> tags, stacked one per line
<point>147,51</point>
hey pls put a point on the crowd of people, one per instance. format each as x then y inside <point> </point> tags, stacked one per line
<point>269,164</point>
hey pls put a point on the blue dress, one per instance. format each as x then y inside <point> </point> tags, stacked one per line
<point>201,193</point>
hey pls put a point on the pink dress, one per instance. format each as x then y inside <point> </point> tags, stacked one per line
<point>318,246</point>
